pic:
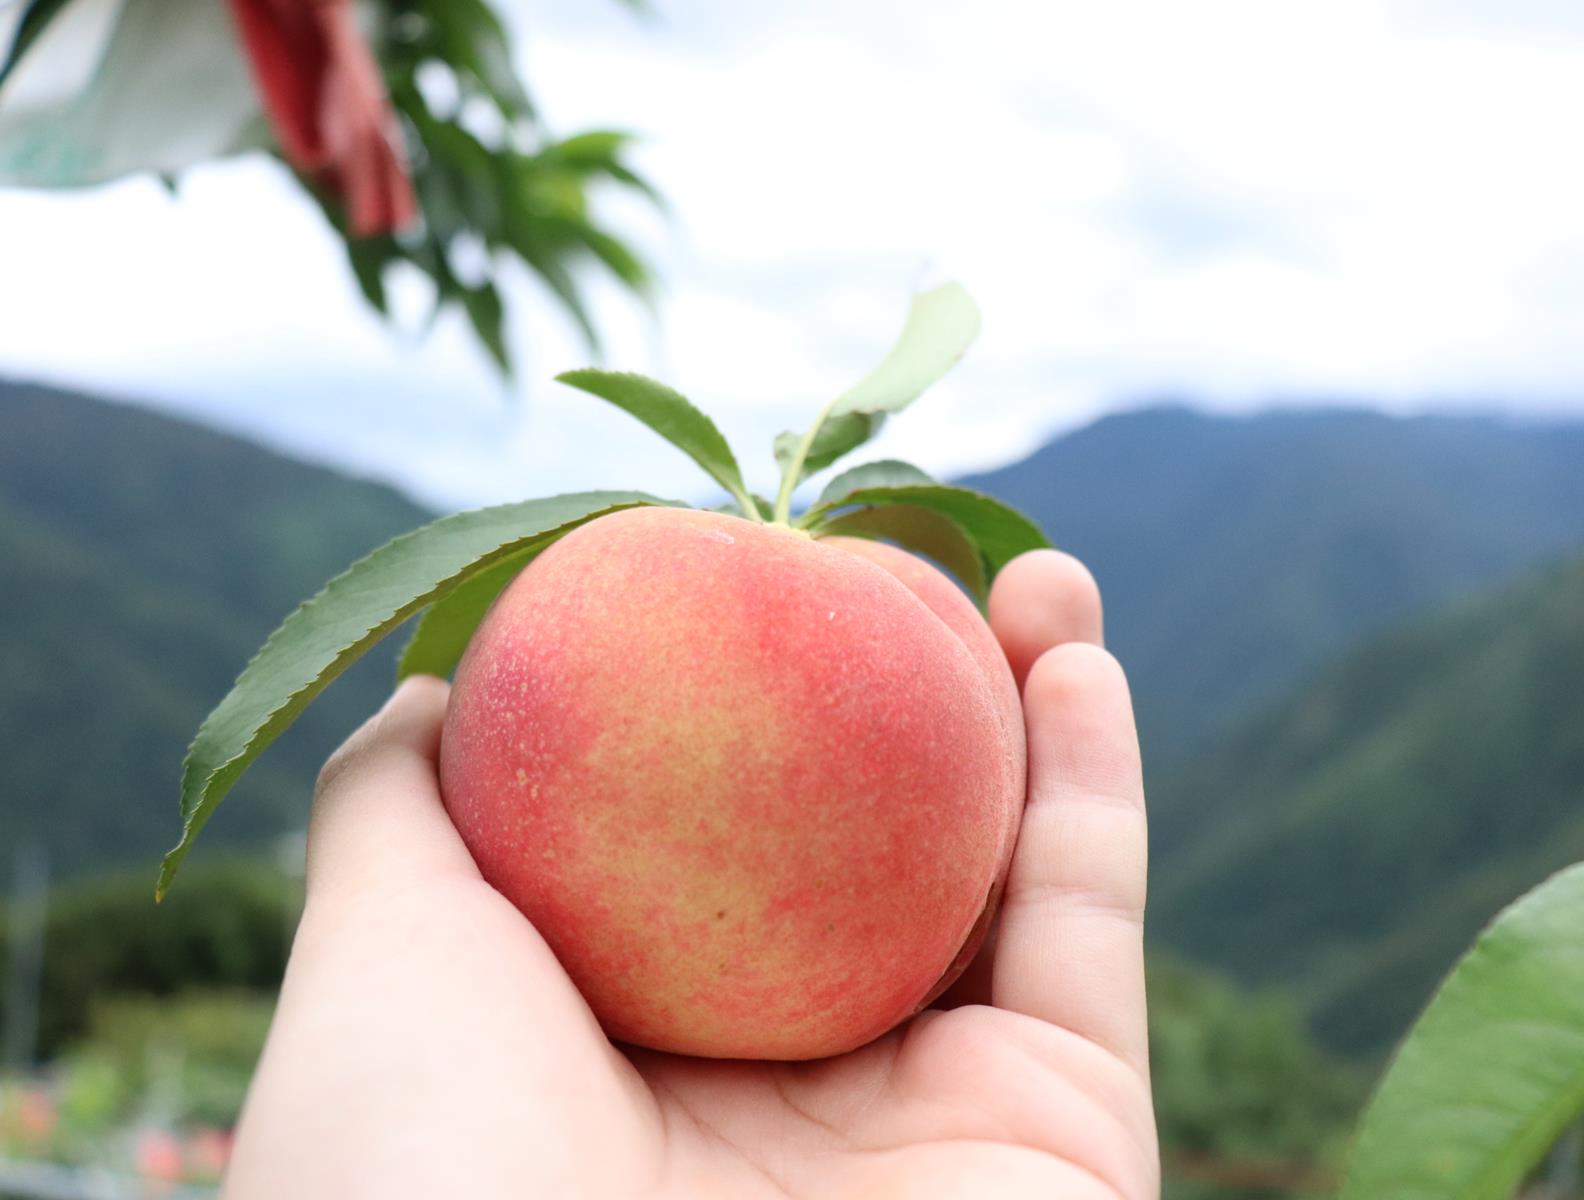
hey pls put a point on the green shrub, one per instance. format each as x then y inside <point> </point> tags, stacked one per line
<point>228,926</point>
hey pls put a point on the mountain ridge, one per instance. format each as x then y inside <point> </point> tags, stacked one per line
<point>1219,594</point>
<point>1352,839</point>
<point>145,559</point>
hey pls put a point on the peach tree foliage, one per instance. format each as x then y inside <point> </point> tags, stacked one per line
<point>495,189</point>
<point>488,174</point>
<point>450,570</point>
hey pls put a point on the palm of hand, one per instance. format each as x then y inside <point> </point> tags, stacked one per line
<point>974,1101</point>
<point>429,1043</point>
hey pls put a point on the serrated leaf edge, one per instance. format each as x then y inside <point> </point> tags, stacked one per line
<point>404,666</point>
<point>197,805</point>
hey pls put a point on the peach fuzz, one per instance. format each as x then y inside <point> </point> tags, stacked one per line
<point>756,791</point>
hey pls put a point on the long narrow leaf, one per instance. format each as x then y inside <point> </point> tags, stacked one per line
<point>835,438</point>
<point>447,625</point>
<point>1493,1072</point>
<point>920,529</point>
<point>671,415</point>
<point>887,472</point>
<point>1000,532</point>
<point>941,324</point>
<point>357,608</point>
<point>548,265</point>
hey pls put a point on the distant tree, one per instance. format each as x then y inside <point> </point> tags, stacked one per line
<point>230,929</point>
<point>1247,1105</point>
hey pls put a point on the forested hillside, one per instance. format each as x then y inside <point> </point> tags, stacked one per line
<point>1237,554</point>
<point>143,560</point>
<point>1350,842</point>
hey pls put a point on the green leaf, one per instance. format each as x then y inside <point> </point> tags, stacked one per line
<point>1000,531</point>
<point>734,508</point>
<point>484,310</point>
<point>368,258</point>
<point>834,438</point>
<point>471,175</point>
<point>941,324</point>
<point>616,256</point>
<point>887,472</point>
<point>920,529</point>
<point>447,625</point>
<point>626,176</point>
<point>598,152</point>
<point>499,186</point>
<point>672,416</point>
<point>476,42</point>
<point>549,267</point>
<point>1493,1072</point>
<point>591,148</point>
<point>357,608</point>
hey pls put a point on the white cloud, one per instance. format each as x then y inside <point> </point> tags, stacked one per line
<point>1232,199</point>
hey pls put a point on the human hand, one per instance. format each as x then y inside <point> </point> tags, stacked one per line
<point>427,1043</point>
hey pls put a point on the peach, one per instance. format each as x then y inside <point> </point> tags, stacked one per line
<point>756,791</point>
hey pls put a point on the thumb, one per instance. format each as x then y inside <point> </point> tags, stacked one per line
<point>378,821</point>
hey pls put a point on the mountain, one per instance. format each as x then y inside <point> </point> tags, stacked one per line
<point>1236,554</point>
<point>145,558</point>
<point>142,561</point>
<point>1352,840</point>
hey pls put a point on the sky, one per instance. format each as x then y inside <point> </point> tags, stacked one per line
<point>1232,202</point>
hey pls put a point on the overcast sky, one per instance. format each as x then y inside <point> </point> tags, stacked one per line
<point>1233,201</point>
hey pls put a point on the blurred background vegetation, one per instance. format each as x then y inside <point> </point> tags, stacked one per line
<point>1355,643</point>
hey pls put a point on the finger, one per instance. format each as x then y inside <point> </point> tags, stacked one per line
<point>1040,599</point>
<point>1071,947</point>
<point>1043,599</point>
<point>377,818</point>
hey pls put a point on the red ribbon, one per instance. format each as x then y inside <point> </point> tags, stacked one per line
<point>322,91</point>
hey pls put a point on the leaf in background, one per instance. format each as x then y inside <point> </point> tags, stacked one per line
<point>734,508</point>
<point>1493,1072</point>
<point>358,607</point>
<point>624,174</point>
<point>598,152</point>
<point>447,625</point>
<point>887,472</point>
<point>547,264</point>
<point>484,310</point>
<point>1000,531</point>
<point>494,58</point>
<point>671,415</point>
<point>368,258</point>
<point>497,181</point>
<point>577,233</point>
<point>922,530</point>
<point>621,261</point>
<point>941,324</point>
<point>471,174</point>
<point>591,148</point>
